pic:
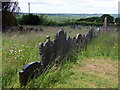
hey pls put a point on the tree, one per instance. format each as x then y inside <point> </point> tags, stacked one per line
<point>117,20</point>
<point>110,19</point>
<point>43,19</point>
<point>82,19</point>
<point>8,14</point>
<point>92,19</point>
<point>29,19</point>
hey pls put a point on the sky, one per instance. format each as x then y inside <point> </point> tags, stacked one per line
<point>70,6</point>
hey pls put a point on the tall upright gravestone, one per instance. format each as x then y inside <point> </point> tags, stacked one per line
<point>105,24</point>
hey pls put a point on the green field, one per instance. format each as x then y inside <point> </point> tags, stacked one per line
<point>95,67</point>
<point>63,17</point>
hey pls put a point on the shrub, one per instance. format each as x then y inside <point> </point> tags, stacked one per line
<point>29,19</point>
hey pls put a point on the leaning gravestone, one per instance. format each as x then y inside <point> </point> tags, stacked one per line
<point>47,52</point>
<point>60,42</point>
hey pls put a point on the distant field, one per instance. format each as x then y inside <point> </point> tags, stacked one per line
<point>62,17</point>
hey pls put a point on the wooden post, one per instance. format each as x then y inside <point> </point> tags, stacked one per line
<point>105,24</point>
<point>29,7</point>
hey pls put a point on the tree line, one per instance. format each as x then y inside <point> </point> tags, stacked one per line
<point>31,19</point>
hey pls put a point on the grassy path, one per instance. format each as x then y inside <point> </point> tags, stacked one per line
<point>92,73</point>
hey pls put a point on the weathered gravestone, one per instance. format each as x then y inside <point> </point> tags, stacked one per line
<point>60,43</point>
<point>47,52</point>
<point>50,50</point>
<point>79,41</point>
<point>29,71</point>
<point>105,24</point>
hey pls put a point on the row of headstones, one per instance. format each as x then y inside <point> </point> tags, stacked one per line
<point>62,46</point>
<point>58,49</point>
<point>21,28</point>
<point>75,27</point>
<point>30,29</point>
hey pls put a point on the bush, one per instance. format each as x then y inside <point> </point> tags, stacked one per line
<point>29,19</point>
<point>85,23</point>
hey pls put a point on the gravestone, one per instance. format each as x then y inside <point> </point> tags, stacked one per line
<point>105,24</point>
<point>60,43</point>
<point>61,47</point>
<point>29,71</point>
<point>47,52</point>
<point>79,41</point>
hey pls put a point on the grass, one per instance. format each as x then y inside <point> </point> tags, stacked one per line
<point>19,49</point>
<point>91,74</point>
<point>97,66</point>
<point>105,46</point>
<point>101,55</point>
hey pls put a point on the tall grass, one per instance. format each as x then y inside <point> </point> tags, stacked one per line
<point>55,74</point>
<point>20,49</point>
<point>105,46</point>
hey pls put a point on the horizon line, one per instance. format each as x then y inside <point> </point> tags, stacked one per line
<point>69,13</point>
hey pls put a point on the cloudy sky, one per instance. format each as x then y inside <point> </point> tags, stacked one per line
<point>70,6</point>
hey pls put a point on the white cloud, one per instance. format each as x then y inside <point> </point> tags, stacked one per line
<point>56,2</point>
<point>70,6</point>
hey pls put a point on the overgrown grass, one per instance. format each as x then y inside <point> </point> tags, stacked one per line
<point>55,74</point>
<point>21,49</point>
<point>95,67</point>
<point>104,46</point>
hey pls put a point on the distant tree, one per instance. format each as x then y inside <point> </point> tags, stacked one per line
<point>29,19</point>
<point>82,19</point>
<point>43,19</point>
<point>8,13</point>
<point>117,20</point>
<point>92,19</point>
<point>110,19</point>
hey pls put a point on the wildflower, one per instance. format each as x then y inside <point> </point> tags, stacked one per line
<point>113,47</point>
<point>15,57</point>
<point>20,50</point>
<point>15,51</point>
<point>11,51</point>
